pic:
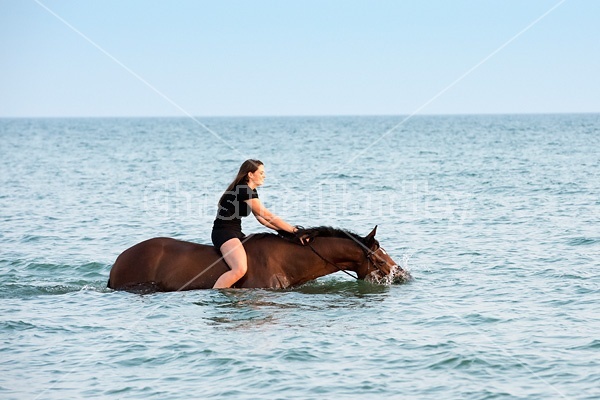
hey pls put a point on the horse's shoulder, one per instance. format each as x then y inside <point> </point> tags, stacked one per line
<point>279,281</point>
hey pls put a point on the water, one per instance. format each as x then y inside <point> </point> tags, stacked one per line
<point>496,217</point>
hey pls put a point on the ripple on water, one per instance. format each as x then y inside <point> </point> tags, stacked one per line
<point>16,326</point>
<point>26,291</point>
<point>583,241</point>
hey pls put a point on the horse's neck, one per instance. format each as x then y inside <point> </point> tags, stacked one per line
<point>308,265</point>
<point>339,251</point>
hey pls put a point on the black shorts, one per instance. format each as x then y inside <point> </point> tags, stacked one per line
<point>220,236</point>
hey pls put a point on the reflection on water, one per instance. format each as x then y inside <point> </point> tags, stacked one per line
<point>253,308</point>
<point>347,289</point>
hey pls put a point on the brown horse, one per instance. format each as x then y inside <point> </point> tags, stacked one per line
<point>164,264</point>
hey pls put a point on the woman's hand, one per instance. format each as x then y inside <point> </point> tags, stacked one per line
<point>303,235</point>
<point>299,235</point>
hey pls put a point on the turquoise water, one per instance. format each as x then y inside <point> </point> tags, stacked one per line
<point>496,217</point>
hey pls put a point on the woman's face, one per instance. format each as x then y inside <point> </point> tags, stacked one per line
<point>257,178</point>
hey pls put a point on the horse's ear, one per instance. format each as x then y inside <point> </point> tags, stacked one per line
<point>370,239</point>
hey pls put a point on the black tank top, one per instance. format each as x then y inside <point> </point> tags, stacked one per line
<point>233,207</point>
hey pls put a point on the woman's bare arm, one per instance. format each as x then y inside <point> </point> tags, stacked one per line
<point>267,218</point>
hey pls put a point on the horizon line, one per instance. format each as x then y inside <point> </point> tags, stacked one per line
<point>297,115</point>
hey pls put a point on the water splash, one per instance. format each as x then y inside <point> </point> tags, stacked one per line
<point>397,275</point>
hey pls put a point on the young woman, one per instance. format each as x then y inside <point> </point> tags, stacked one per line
<point>238,201</point>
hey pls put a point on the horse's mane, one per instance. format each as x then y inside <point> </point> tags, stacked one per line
<point>326,231</point>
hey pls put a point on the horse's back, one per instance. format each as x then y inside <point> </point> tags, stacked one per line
<point>166,264</point>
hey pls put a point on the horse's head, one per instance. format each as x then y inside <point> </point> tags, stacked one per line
<point>378,266</point>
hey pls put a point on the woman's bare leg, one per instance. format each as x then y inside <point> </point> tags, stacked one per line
<point>235,256</point>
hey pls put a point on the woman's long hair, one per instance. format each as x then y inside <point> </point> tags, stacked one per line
<point>242,175</point>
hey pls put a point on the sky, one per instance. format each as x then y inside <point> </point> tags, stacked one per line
<point>73,58</point>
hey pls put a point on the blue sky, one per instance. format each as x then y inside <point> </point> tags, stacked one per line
<point>230,58</point>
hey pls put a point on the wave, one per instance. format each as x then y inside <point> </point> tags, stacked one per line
<point>29,279</point>
<point>13,291</point>
<point>583,241</point>
<point>592,345</point>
